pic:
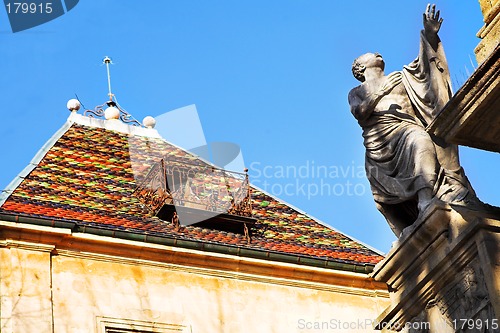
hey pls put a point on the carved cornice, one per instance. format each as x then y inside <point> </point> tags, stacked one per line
<point>115,250</point>
<point>9,243</point>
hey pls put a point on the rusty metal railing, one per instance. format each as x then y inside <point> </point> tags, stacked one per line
<point>195,184</point>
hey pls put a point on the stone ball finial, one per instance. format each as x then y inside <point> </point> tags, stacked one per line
<point>149,122</point>
<point>73,105</point>
<point>111,113</point>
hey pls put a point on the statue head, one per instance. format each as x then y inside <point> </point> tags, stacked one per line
<point>364,61</point>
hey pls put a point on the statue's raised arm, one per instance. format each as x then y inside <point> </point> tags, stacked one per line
<point>427,78</point>
<point>407,167</point>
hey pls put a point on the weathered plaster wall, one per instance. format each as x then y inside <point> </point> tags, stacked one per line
<point>25,300</point>
<point>87,287</point>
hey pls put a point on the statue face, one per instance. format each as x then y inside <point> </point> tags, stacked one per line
<point>372,60</point>
<point>367,60</point>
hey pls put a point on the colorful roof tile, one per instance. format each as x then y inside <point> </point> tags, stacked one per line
<point>88,173</point>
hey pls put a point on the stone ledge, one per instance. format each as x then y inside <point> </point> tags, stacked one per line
<point>433,254</point>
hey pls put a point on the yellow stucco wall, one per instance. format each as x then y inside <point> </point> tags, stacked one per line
<point>43,289</point>
<point>204,303</point>
<point>25,300</point>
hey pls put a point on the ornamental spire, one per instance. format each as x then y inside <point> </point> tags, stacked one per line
<point>111,110</point>
<point>107,61</point>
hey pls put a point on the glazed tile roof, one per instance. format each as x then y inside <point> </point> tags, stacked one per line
<point>89,173</point>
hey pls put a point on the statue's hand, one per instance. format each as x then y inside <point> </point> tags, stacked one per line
<point>432,22</point>
<point>391,81</point>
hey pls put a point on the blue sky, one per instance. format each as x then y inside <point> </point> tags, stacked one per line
<point>270,76</point>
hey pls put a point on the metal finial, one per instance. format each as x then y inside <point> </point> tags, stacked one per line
<point>114,110</point>
<point>107,60</point>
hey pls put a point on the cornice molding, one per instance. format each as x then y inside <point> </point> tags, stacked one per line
<point>9,243</point>
<point>114,250</point>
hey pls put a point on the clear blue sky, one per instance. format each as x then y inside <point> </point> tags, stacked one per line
<point>271,76</point>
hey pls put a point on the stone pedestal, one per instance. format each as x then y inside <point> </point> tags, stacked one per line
<point>444,272</point>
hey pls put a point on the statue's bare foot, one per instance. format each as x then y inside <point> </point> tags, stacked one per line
<point>422,206</point>
<point>424,199</point>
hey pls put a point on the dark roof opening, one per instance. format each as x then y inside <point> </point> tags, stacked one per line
<point>205,219</point>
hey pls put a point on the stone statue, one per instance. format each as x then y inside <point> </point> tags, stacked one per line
<point>406,166</point>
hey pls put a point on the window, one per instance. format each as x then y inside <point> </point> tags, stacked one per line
<point>117,325</point>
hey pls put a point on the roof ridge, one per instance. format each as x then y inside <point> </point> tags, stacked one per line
<point>113,125</point>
